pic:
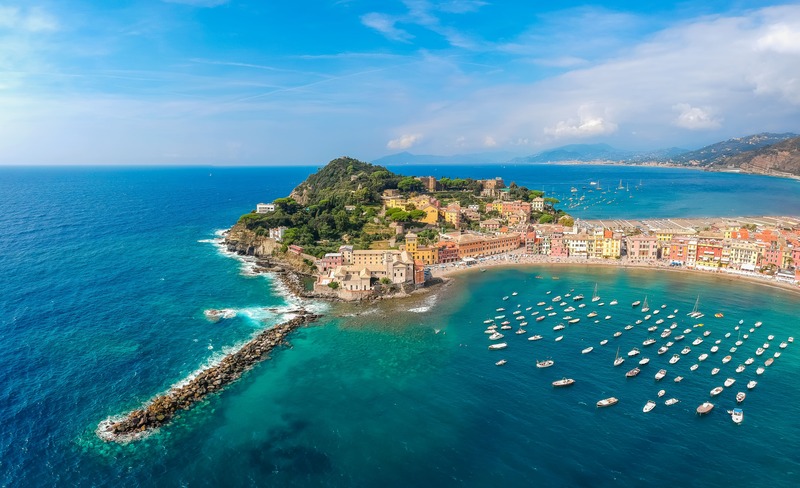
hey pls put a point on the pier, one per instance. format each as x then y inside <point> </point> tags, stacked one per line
<point>161,409</point>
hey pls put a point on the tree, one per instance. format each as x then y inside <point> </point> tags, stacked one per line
<point>566,221</point>
<point>535,194</point>
<point>551,200</point>
<point>409,184</point>
<point>546,219</point>
<point>333,285</point>
<point>386,281</point>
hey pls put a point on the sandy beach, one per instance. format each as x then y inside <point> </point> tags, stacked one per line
<point>518,259</point>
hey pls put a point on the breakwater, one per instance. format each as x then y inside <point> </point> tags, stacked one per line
<point>164,407</point>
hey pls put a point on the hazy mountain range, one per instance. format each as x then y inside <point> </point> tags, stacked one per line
<point>766,153</point>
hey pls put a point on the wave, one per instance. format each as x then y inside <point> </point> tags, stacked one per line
<point>429,302</point>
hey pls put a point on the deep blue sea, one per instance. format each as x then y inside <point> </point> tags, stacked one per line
<point>105,274</point>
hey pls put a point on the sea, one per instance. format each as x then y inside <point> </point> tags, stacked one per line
<point>106,272</point>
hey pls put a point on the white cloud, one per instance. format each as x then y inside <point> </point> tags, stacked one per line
<point>781,38</point>
<point>34,19</point>
<point>587,124</point>
<point>695,118</point>
<point>385,24</point>
<point>489,141</point>
<point>404,142</point>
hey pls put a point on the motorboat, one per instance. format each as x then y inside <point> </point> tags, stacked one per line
<point>520,331</point>
<point>661,393</point>
<point>769,362</point>
<point>777,354</point>
<point>704,408</point>
<point>587,350</point>
<point>751,384</point>
<point>697,341</point>
<point>541,304</point>
<point>694,367</point>
<point>496,336</point>
<point>714,371</point>
<point>560,327</point>
<point>506,327</point>
<point>714,348</point>
<point>544,364</point>
<point>488,321</point>
<point>729,382</point>
<point>783,345</point>
<point>540,318</point>
<point>665,333</point>
<point>500,363</point>
<point>628,327</point>
<point>770,337</point>
<point>649,342</point>
<point>740,397</point>
<point>636,303</point>
<point>740,368</point>
<point>726,359</point>
<point>716,391</point>
<point>652,328</point>
<point>679,338</point>
<point>574,321</point>
<point>706,333</point>
<point>649,406</point>
<point>591,314</point>
<point>686,350</point>
<point>765,345</point>
<point>758,324</point>
<point>760,370</point>
<point>678,379</point>
<point>748,361</point>
<point>556,299</point>
<point>671,401</point>
<point>703,357</point>
<point>632,373</point>
<point>535,337</point>
<point>675,358</point>
<point>737,415</point>
<point>662,349</point>
<point>644,361</point>
<point>633,352</point>
<point>759,351</point>
<point>563,382</point>
<point>617,334</point>
<point>500,345</point>
<point>607,402</point>
<point>732,349</point>
<point>661,373</point>
<point>557,339</point>
<point>613,302</point>
<point>604,342</point>
<point>516,312</point>
<point>577,297</point>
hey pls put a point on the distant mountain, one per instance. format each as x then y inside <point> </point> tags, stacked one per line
<point>781,159</point>
<point>715,154</point>
<point>475,158</point>
<point>657,155</point>
<point>577,152</point>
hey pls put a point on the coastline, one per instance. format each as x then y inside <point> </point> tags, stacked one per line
<point>516,260</point>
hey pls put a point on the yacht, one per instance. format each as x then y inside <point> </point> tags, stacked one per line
<point>556,299</point>
<point>661,373</point>
<point>729,382</point>
<point>569,309</point>
<point>666,333</point>
<point>607,402</point>
<point>686,350</point>
<point>716,391</point>
<point>704,408</point>
<point>633,352</point>
<point>649,406</point>
<point>595,296</point>
<point>573,321</point>
<point>671,401</point>
<point>645,306</point>
<point>737,415</point>
<point>613,302</point>
<point>648,342</point>
<point>697,341</point>
<point>559,327</point>
<point>577,298</point>
<point>501,345</point>
<point>564,382</point>
<point>544,364</point>
<point>618,359</point>
<point>535,337</point>
<point>496,336</point>
<point>662,349</point>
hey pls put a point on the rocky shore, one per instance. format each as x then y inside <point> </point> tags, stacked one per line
<point>164,407</point>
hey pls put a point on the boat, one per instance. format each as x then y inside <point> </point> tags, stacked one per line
<point>569,309</point>
<point>645,306</point>
<point>628,327</point>
<point>632,373</point>
<point>499,317</point>
<point>695,311</point>
<point>678,379</point>
<point>660,321</point>
<point>520,331</point>
<point>523,324</point>
<point>783,345</point>
<point>697,341</point>
<point>591,314</point>
<point>563,382</point>
<point>777,354</point>
<point>535,337</point>
<point>706,333</point>
<point>500,363</point>
<point>661,393</point>
<point>671,401</point>
<point>617,334</point>
<point>716,391</point>
<point>514,294</point>
<point>790,339</point>
<point>732,349</point>
<point>675,358</point>
<point>737,415</point>
<point>748,361</point>
<point>506,327</point>
<point>649,406</point>
<point>694,367</point>
<point>556,299</point>
<point>662,349</point>
<point>501,309</point>
<point>574,321</point>
<point>740,397</point>
<point>726,359</point>
<point>636,303</point>
<point>686,350</point>
<point>644,361</point>
<point>587,350</point>
<point>770,337</point>
<point>759,351</point>
<point>613,302</point>
<point>727,334</point>
<point>758,324</point>
<point>559,327</point>
<point>505,298</point>
<point>618,359</point>
<point>608,317</point>
<point>633,352</point>
<point>595,296</point>
<point>665,333</point>
<point>488,321</point>
<point>751,384</point>
<point>760,370</point>
<point>540,318</point>
<point>496,336</point>
<point>559,338</point>
<point>501,345</point>
<point>703,357</point>
<point>516,312</point>
<point>714,371</point>
<point>648,342</point>
<point>718,315</point>
<point>704,408</point>
<point>544,364</point>
<point>769,362</point>
<point>714,348</point>
<point>729,382</point>
<point>607,402</point>
<point>661,373</point>
<point>652,328</point>
<point>740,368</point>
<point>604,342</point>
<point>541,304</point>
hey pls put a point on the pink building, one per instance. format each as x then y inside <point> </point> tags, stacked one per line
<point>642,248</point>
<point>331,260</point>
<point>558,247</point>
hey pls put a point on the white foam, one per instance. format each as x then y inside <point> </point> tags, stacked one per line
<point>428,305</point>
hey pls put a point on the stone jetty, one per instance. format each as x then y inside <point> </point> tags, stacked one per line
<point>164,407</point>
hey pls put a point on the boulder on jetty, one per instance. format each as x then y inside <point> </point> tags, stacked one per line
<point>164,407</point>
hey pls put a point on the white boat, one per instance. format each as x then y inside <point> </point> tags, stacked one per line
<point>559,338</point>
<point>607,402</point>
<point>500,363</point>
<point>528,309</point>
<point>540,318</point>
<point>617,334</point>
<point>740,368</point>
<point>613,302</point>
<point>714,348</point>
<point>648,342</point>
<point>505,298</point>
<point>694,367</point>
<point>675,358</point>
<point>556,299</point>
<point>574,321</point>
<point>645,306</point>
<point>748,361</point>
<point>541,304</point>
<point>703,357</point>
<point>783,345</point>
<point>729,382</point>
<point>628,327</point>
<point>661,393</point>
<point>496,336</point>
<point>728,334</point>
<point>577,297</point>
<point>569,309</point>
<point>514,294</point>
<point>770,337</point>
<point>604,342</point>
<point>506,327</point>
<point>501,309</point>
<point>726,359</point>
<point>516,312</point>
<point>551,314</point>
<point>740,397</point>
<point>559,327</point>
<point>751,384</point>
<point>732,349</point>
<point>587,350</point>
<point>678,379</point>
<point>687,331</point>
<point>671,401</point>
<point>706,333</point>
<point>591,314</point>
<point>695,311</point>
<point>660,321</point>
<point>737,415</point>
<point>665,333</point>
<point>488,321</point>
<point>618,359</point>
<point>759,351</point>
<point>595,296</point>
<point>647,317</point>
<point>644,361</point>
<point>520,331</point>
<point>661,373</point>
<point>608,317</point>
<point>714,371</point>
<point>769,362</point>
<point>636,303</point>
<point>758,324</point>
<point>649,406</point>
<point>535,337</point>
<point>697,342</point>
<point>716,391</point>
<point>760,370</point>
<point>686,350</point>
<point>501,345</point>
<point>777,354</point>
<point>790,339</point>
<point>499,317</point>
<point>704,408</point>
<point>633,352</point>
<point>563,382</point>
<point>523,324</point>
<point>544,364</point>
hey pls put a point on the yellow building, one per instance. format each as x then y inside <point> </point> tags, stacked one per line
<point>431,214</point>
<point>426,254</point>
<point>395,202</point>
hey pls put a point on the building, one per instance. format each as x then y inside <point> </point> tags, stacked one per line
<point>578,244</point>
<point>331,260</point>
<point>474,245</point>
<point>448,252</point>
<point>295,249</point>
<point>491,188</point>
<point>642,247</point>
<point>265,208</point>
<point>490,225</point>
<point>358,280</point>
<point>709,253</point>
<point>537,204</point>
<point>428,182</point>
<point>452,214</point>
<point>276,233</point>
<point>424,254</point>
<point>431,214</point>
<point>531,242</point>
<point>515,208</point>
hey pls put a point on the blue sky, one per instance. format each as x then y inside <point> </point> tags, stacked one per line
<point>258,82</point>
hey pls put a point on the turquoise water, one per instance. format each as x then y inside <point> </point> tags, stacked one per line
<point>105,275</point>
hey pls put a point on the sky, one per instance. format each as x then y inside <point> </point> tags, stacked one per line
<point>259,82</point>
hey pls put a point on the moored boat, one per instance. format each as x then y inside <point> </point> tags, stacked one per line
<point>678,379</point>
<point>632,373</point>
<point>694,367</point>
<point>649,406</point>
<point>716,391</point>
<point>760,370</point>
<point>662,349</point>
<point>726,359</point>
<point>496,336</point>
<point>751,384</point>
<point>737,415</point>
<point>740,368</point>
<point>675,358</point>
<point>604,342</point>
<point>633,352</point>
<point>769,362</point>
<point>671,401</point>
<point>729,382</point>
<point>703,357</point>
<point>501,345</point>
<point>648,342</point>
<point>661,373</point>
<point>535,337</point>
<point>661,393</point>
<point>587,350</point>
<point>714,371</point>
<point>704,408</point>
<point>564,382</point>
<point>607,402</point>
<point>644,361</point>
<point>544,364</point>
<point>501,362</point>
<point>740,397</point>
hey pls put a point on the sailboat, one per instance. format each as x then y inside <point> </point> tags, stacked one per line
<point>645,306</point>
<point>620,187</point>
<point>595,296</point>
<point>618,359</point>
<point>695,314</point>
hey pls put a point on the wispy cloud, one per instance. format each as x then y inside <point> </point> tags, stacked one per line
<point>385,24</point>
<point>404,142</point>
<point>199,3</point>
<point>33,19</point>
<point>695,118</point>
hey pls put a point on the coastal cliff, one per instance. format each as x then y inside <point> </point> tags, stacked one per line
<point>241,240</point>
<point>782,159</point>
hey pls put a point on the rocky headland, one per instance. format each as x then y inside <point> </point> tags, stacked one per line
<point>165,407</point>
